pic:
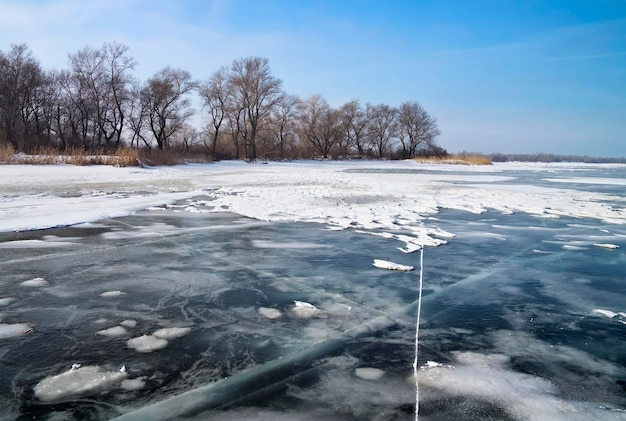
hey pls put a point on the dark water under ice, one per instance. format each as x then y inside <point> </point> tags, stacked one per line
<point>508,310</point>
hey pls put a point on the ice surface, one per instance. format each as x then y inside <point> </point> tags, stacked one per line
<point>388,196</point>
<point>291,316</point>
<point>80,382</point>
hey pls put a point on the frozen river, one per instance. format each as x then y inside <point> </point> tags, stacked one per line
<point>219,292</point>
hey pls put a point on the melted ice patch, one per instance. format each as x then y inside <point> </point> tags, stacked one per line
<point>77,382</point>
<point>523,396</point>
<point>133,384</point>
<point>369,373</point>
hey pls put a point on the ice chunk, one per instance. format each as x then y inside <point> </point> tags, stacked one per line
<point>111,294</point>
<point>369,373</point>
<point>606,313</point>
<point>11,330</point>
<point>607,246</point>
<point>270,313</point>
<point>113,332</point>
<point>384,264</point>
<point>35,283</point>
<point>306,310</point>
<point>146,343</point>
<point>171,332</point>
<point>82,381</point>
<point>129,323</point>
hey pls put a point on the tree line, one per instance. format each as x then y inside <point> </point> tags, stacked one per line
<point>97,104</point>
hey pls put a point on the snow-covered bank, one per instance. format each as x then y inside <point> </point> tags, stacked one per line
<point>389,197</point>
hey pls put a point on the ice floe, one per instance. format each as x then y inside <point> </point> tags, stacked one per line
<point>77,382</point>
<point>306,310</point>
<point>385,264</point>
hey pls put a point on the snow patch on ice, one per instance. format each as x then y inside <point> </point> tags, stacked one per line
<point>112,294</point>
<point>113,332</point>
<point>35,283</point>
<point>129,323</point>
<point>269,313</point>
<point>146,343</point>
<point>77,382</point>
<point>12,330</point>
<point>171,332</point>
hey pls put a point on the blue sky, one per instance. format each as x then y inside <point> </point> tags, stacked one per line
<point>499,76</point>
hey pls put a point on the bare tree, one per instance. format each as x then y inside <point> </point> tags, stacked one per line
<point>217,97</point>
<point>20,77</point>
<point>256,91</point>
<point>100,86</point>
<point>416,128</point>
<point>165,102</point>
<point>381,127</point>
<point>284,119</point>
<point>320,125</point>
<point>355,125</point>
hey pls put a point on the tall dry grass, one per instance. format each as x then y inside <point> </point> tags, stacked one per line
<point>6,154</point>
<point>457,159</point>
<point>122,157</point>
